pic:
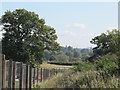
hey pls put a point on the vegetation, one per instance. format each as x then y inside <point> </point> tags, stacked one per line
<point>101,70</point>
<point>68,54</point>
<point>49,83</point>
<point>29,40</point>
<point>87,79</point>
<point>50,66</point>
<point>64,63</point>
<point>26,36</point>
<point>106,43</point>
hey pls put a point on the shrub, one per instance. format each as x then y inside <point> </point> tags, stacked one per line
<point>87,79</point>
<point>85,66</point>
<point>108,63</point>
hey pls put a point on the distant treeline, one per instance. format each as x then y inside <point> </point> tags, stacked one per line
<point>68,54</point>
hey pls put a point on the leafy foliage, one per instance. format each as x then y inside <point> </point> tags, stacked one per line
<point>108,63</point>
<point>84,66</point>
<point>106,43</point>
<point>26,36</point>
<point>68,54</point>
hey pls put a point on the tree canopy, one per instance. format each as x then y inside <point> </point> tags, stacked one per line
<point>26,36</point>
<point>107,43</point>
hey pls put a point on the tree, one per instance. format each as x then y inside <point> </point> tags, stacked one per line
<point>47,54</point>
<point>85,51</point>
<point>70,54</point>
<point>76,54</point>
<point>70,48</point>
<point>62,57</point>
<point>26,36</point>
<point>107,43</point>
<point>53,58</point>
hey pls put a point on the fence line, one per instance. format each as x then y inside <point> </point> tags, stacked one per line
<point>19,75</point>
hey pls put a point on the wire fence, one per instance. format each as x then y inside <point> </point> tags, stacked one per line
<point>20,75</point>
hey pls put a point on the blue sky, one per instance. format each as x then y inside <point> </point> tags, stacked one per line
<point>76,23</point>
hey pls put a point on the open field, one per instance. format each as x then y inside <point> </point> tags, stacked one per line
<point>50,66</point>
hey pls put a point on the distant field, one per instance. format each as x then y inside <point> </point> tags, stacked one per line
<point>46,65</point>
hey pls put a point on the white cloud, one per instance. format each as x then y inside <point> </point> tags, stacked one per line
<point>72,34</point>
<point>68,33</point>
<point>68,26</point>
<point>75,39</point>
<point>76,25</point>
<point>110,28</point>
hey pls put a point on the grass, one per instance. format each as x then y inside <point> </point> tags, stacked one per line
<point>88,79</point>
<point>17,84</point>
<point>50,83</point>
<point>50,66</point>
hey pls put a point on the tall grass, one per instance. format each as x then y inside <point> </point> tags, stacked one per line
<point>49,83</point>
<point>88,79</point>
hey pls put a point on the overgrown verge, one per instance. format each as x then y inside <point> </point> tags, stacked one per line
<point>103,73</point>
<point>49,83</point>
<point>88,79</point>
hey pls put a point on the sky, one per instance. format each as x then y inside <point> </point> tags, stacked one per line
<point>76,23</point>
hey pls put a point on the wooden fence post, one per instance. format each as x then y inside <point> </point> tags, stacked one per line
<point>34,77</point>
<point>64,69</point>
<point>27,76</point>
<point>4,73</point>
<point>10,74</point>
<point>1,63</point>
<point>37,75</point>
<point>21,76</point>
<point>41,75</point>
<point>14,74</point>
<point>45,73</point>
<point>30,77</point>
<point>54,71</point>
<point>49,73</point>
<point>59,70</point>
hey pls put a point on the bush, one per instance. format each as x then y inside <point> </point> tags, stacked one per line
<point>108,63</point>
<point>63,63</point>
<point>85,66</point>
<point>87,79</point>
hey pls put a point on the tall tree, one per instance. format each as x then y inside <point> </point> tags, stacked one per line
<point>76,54</point>
<point>107,43</point>
<point>70,54</point>
<point>26,36</point>
<point>47,54</point>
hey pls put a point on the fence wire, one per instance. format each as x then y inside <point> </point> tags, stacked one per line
<point>37,75</point>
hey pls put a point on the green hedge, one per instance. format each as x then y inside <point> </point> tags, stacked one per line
<point>63,63</point>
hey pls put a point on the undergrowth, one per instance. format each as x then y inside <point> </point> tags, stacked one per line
<point>88,79</point>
